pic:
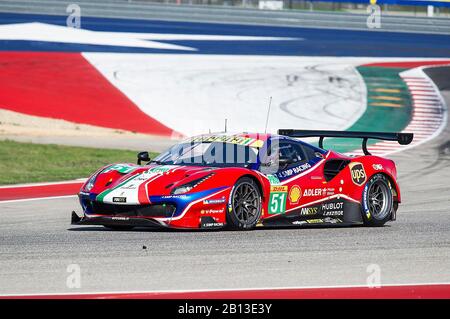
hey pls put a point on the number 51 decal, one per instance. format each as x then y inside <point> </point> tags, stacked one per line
<point>277,199</point>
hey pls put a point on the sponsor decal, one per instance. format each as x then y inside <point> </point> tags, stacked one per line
<point>312,192</point>
<point>130,186</point>
<point>273,180</point>
<point>294,170</point>
<point>365,201</point>
<point>299,222</point>
<point>333,209</point>
<point>120,218</point>
<point>314,221</point>
<point>211,211</point>
<point>278,189</point>
<point>377,167</point>
<point>317,221</point>
<point>332,220</point>
<point>295,194</point>
<point>358,173</point>
<point>159,169</point>
<point>209,222</point>
<point>277,199</point>
<point>257,144</point>
<point>306,211</point>
<point>233,139</point>
<point>121,168</point>
<point>119,199</point>
<point>214,201</point>
<point>209,225</point>
<point>180,196</point>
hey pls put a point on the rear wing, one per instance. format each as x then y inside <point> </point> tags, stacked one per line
<point>401,138</point>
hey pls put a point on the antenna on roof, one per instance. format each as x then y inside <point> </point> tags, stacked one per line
<point>268,113</point>
<point>225,125</point>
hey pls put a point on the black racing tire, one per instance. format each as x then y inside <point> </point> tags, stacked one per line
<point>118,227</point>
<point>244,208</point>
<point>377,201</point>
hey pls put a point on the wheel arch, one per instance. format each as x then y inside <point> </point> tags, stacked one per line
<point>257,182</point>
<point>395,187</point>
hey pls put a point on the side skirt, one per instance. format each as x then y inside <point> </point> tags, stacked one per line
<point>335,212</point>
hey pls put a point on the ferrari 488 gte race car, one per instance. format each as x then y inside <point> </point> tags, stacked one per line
<point>242,181</point>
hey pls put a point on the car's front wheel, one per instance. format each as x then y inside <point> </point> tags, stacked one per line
<point>377,201</point>
<point>245,205</point>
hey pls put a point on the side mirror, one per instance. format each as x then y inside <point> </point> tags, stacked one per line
<point>143,157</point>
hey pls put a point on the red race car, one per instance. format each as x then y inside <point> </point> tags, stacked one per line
<point>243,181</point>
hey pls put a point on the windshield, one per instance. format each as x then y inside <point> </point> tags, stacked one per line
<point>218,154</point>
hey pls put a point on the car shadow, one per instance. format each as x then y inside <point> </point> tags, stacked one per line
<point>172,230</point>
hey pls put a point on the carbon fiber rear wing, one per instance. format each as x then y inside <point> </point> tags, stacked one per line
<point>401,138</point>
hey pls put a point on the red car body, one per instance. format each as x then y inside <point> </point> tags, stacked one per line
<point>324,187</point>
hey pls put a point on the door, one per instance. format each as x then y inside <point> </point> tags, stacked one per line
<point>295,178</point>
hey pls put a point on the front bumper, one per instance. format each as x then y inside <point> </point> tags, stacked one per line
<point>116,221</point>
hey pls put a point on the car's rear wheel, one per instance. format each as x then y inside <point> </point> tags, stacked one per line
<point>377,201</point>
<point>245,204</point>
<point>118,227</point>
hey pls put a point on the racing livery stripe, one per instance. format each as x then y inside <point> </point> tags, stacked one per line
<point>142,192</point>
<point>100,197</point>
<point>169,219</point>
<point>134,191</point>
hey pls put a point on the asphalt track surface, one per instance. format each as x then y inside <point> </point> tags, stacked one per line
<point>37,244</point>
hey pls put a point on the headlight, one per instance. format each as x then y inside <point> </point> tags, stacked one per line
<point>90,183</point>
<point>182,189</point>
<point>189,186</point>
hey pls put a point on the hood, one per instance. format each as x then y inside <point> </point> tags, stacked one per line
<point>131,184</point>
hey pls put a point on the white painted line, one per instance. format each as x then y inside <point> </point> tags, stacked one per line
<point>421,107</point>
<point>75,181</point>
<point>424,94</point>
<point>35,199</point>
<point>419,89</point>
<point>220,290</point>
<point>425,99</point>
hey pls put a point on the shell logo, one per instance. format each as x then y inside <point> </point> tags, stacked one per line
<point>294,194</point>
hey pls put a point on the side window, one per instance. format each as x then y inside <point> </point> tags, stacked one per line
<point>292,151</point>
<point>311,152</point>
<point>281,153</point>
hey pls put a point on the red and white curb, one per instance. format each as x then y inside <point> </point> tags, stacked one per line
<point>38,191</point>
<point>429,114</point>
<point>407,291</point>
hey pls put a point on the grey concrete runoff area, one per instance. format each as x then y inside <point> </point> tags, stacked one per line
<point>38,244</point>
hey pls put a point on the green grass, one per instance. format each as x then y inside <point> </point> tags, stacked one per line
<point>29,163</point>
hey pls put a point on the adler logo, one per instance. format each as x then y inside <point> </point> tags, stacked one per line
<point>358,174</point>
